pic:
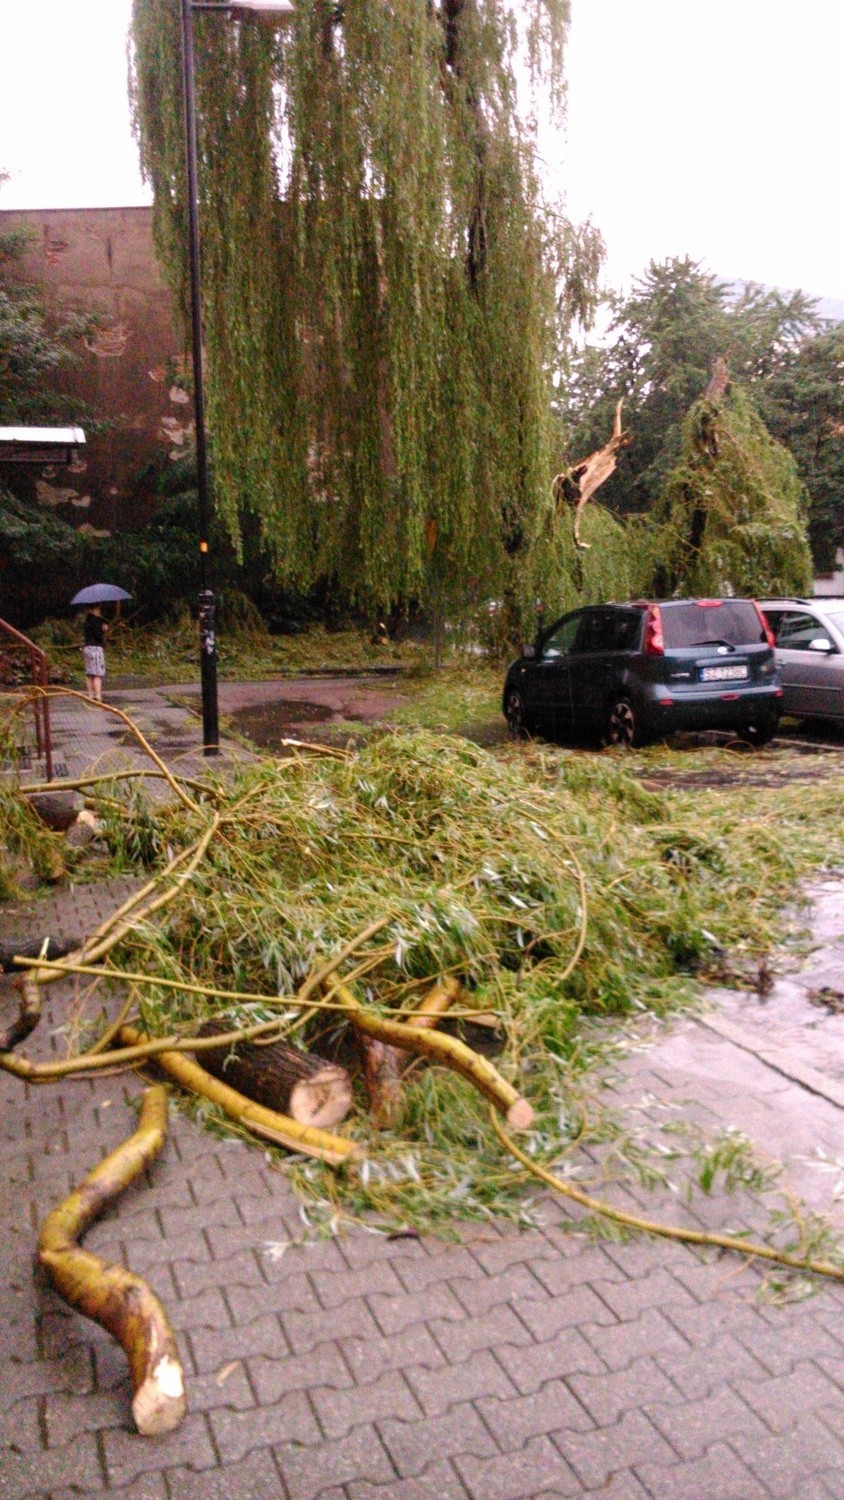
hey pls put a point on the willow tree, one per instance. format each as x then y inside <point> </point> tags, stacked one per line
<point>731,517</point>
<point>384,280</point>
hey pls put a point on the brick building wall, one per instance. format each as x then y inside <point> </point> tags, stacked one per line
<point>102,261</point>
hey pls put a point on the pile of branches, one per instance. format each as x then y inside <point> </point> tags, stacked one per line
<point>430,921</point>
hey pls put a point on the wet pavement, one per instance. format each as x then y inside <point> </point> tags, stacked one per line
<point>510,1366</point>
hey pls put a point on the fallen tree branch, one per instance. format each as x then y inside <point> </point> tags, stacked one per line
<point>28,1016</point>
<point>447,1050</point>
<point>665,1231</point>
<point>334,1149</point>
<point>109,708</point>
<point>111,1295</point>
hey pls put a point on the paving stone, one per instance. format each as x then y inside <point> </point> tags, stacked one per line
<point>322,1366</point>
<point>571,1309</point>
<point>574,1263</point>
<point>784,1461</point>
<point>628,1299</point>
<point>25,1475</point>
<point>435,1303</point>
<point>128,1455</point>
<point>207,1309</point>
<point>619,1345</point>
<point>367,1358</point>
<point>806,1340</point>
<point>412,1445</point>
<point>21,1426</point>
<point>294,1294</point>
<point>598,1454</point>
<point>529,1366</point>
<point>537,1469</point>
<point>306,1330</point>
<point>782,1401</point>
<point>498,1327</point>
<point>516,1284</point>
<point>291,1419</point>
<point>238,1270</point>
<point>227,1387</point>
<point>447,1385</point>
<point>341,1410</point>
<point>256,1477</point>
<point>514,1420</point>
<point>450,1263</point>
<point>309,1471</point>
<point>360,1250</point>
<point>496,1252</point>
<point>606,1396</point>
<point>70,1374</point>
<point>375,1281</point>
<point>696,1371</point>
<point>213,1347</point>
<point>718,1475</point>
<point>439,1482</point>
<point>691,1426</point>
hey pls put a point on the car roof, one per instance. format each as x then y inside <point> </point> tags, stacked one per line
<point>819,601</point>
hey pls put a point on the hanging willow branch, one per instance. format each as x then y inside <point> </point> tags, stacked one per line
<point>375,231</point>
<point>115,1298</point>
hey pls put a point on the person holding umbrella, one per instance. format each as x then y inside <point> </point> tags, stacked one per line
<point>96,630</point>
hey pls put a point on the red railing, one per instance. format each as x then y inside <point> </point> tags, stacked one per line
<point>39,676</point>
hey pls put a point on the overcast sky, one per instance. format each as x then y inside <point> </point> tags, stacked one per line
<point>710,130</point>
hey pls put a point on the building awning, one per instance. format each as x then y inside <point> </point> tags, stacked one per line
<point>40,445</point>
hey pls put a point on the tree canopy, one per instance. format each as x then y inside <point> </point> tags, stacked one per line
<point>384,281</point>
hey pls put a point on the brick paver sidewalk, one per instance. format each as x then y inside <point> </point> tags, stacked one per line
<point>512,1366</point>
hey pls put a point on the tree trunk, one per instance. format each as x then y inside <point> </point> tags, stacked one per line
<point>307,1088</point>
<point>115,1298</point>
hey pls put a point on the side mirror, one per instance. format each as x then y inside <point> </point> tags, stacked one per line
<point>528,650</point>
<point>821,643</point>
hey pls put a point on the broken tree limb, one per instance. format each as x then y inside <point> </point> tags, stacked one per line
<point>578,484</point>
<point>267,1123</point>
<point>436,1003</point>
<point>382,1069</point>
<point>111,1295</point>
<point>28,1016</point>
<point>442,1049</point>
<point>310,1089</point>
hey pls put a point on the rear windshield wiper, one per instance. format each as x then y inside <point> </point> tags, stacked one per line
<point>717,642</point>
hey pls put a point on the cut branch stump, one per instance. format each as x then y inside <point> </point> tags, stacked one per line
<point>267,1123</point>
<point>308,1088</point>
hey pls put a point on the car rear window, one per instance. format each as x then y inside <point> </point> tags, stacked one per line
<point>734,621</point>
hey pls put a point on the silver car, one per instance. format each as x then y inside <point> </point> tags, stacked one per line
<point>809,637</point>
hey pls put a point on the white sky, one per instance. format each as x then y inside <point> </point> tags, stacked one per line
<point>710,129</point>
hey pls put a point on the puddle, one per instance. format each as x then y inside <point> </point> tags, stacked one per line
<point>267,724</point>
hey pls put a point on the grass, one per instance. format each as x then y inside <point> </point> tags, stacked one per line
<point>168,653</point>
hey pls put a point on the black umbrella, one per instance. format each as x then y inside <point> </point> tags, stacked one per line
<point>100,593</point>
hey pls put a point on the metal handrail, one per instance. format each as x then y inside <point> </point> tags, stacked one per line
<point>39,669</point>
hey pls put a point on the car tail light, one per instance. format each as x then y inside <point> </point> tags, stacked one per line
<point>709,603</point>
<point>769,634</point>
<point>654,643</point>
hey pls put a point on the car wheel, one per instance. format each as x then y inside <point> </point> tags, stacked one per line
<point>623,724</point>
<point>516,714</point>
<point>759,734</point>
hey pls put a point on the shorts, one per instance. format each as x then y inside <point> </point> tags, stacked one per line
<point>94,659</point>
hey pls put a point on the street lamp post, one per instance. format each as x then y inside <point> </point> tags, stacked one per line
<point>207,602</point>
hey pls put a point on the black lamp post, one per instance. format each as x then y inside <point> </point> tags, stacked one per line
<point>207,601</point>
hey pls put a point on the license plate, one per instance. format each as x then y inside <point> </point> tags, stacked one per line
<point>724,674</point>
